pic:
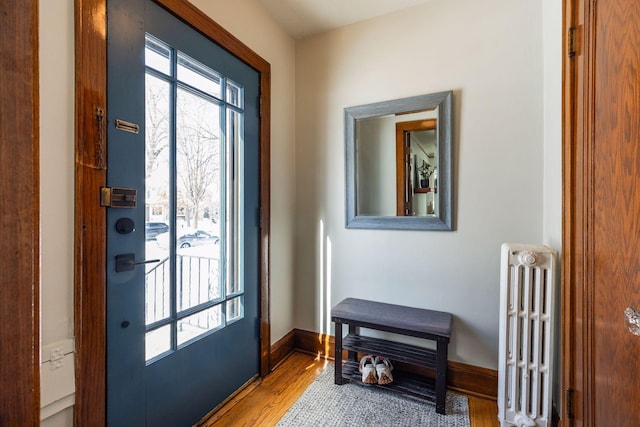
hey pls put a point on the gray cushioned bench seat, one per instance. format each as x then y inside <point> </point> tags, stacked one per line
<point>416,322</point>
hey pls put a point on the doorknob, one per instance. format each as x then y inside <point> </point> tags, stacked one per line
<point>127,262</point>
<point>632,319</point>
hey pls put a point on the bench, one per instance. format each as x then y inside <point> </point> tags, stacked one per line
<point>414,322</point>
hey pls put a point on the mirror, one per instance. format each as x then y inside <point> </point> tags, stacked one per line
<point>398,164</point>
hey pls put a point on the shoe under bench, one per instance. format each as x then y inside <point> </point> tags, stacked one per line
<point>397,319</point>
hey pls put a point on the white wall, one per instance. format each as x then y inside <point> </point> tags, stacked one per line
<point>376,171</point>
<point>552,170</point>
<point>247,21</point>
<point>490,54</point>
<point>552,101</point>
<point>56,209</point>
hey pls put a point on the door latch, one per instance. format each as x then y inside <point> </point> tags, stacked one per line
<point>127,262</point>
<point>116,197</point>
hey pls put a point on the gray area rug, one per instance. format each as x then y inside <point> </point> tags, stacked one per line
<point>325,404</point>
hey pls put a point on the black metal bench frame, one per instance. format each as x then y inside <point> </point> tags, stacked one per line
<point>415,322</point>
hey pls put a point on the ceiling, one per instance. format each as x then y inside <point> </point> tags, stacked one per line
<point>302,18</point>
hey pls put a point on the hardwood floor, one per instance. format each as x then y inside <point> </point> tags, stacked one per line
<point>265,401</point>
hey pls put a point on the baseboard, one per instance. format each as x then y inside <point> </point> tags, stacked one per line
<point>469,379</point>
<point>473,380</point>
<point>314,343</point>
<point>281,349</point>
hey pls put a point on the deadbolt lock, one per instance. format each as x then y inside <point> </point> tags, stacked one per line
<point>116,197</point>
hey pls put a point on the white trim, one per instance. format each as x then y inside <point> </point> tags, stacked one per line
<point>57,378</point>
<point>57,406</point>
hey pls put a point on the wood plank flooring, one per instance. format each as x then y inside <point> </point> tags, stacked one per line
<point>265,401</point>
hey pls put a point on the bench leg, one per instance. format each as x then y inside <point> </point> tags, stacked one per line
<point>352,355</point>
<point>338,353</point>
<point>441,377</point>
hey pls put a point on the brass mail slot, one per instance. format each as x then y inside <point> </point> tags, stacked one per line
<point>115,197</point>
<point>127,126</point>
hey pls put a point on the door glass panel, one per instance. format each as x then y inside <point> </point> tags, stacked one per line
<point>157,292</point>
<point>198,76</point>
<point>157,342</point>
<point>234,94</point>
<point>199,323</point>
<point>234,309</point>
<point>157,285</point>
<point>157,55</point>
<point>234,202</point>
<point>193,194</point>
<point>198,193</point>
<point>198,280</point>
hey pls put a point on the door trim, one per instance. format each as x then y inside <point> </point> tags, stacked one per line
<point>90,218</point>
<point>578,192</point>
<point>402,186</point>
<point>20,244</point>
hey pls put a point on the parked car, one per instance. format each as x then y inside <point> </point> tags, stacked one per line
<point>152,229</point>
<point>195,238</point>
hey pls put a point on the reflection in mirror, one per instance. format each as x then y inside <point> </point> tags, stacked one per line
<point>397,154</point>
<point>387,187</point>
<point>416,166</point>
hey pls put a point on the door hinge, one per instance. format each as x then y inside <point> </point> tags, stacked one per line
<point>570,397</point>
<point>571,42</point>
<point>260,106</point>
<point>114,197</point>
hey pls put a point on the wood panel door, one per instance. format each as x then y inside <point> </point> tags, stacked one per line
<point>601,267</point>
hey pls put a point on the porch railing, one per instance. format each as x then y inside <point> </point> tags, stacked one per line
<point>197,282</point>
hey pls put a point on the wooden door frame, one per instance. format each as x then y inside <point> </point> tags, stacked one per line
<point>90,175</point>
<point>578,193</point>
<point>19,215</point>
<point>401,171</point>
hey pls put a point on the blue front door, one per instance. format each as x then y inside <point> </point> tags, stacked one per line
<point>182,276</point>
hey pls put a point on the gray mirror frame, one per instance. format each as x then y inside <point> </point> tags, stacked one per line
<point>441,102</point>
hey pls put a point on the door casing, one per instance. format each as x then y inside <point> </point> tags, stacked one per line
<point>90,175</point>
<point>588,114</point>
<point>403,187</point>
<point>20,215</point>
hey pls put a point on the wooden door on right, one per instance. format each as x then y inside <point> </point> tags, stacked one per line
<point>601,249</point>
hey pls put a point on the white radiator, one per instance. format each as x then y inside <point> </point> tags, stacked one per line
<point>525,362</point>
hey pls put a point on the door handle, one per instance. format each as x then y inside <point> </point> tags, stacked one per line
<point>632,319</point>
<point>127,262</point>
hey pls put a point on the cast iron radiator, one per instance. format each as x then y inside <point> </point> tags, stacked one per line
<point>525,361</point>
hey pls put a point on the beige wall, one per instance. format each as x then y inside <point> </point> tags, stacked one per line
<point>490,54</point>
<point>56,209</point>
<point>552,176</point>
